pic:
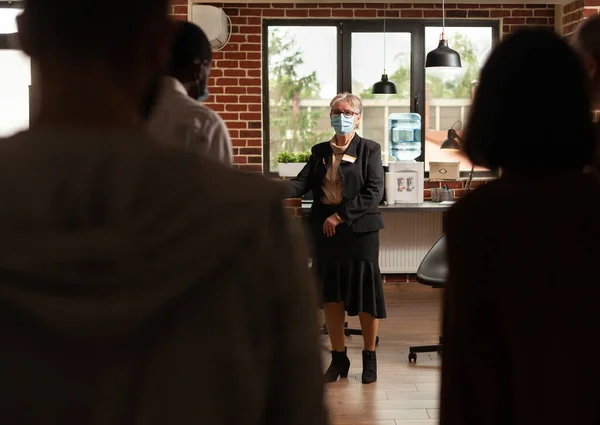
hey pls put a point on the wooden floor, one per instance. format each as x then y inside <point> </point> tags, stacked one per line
<point>405,394</point>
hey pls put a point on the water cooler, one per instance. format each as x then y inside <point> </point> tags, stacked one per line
<point>404,182</point>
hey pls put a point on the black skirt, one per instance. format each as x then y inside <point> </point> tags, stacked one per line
<point>347,266</point>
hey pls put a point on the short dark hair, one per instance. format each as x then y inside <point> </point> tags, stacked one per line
<point>189,44</point>
<point>532,110</point>
<point>83,30</point>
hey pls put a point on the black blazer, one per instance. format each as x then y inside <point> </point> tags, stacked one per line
<point>362,183</point>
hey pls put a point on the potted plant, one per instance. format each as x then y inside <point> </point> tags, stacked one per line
<point>290,163</point>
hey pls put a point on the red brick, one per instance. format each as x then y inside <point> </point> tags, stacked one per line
<point>514,21</point>
<point>227,64</point>
<point>180,10</point>
<point>252,38</point>
<point>548,13</point>
<point>217,90</point>
<point>479,13</point>
<point>234,133</point>
<point>251,133</point>
<point>227,99</point>
<point>331,5</point>
<point>238,142</point>
<point>235,90</point>
<point>236,107</point>
<point>319,13</point>
<point>254,142</point>
<point>227,82</point>
<point>254,90</point>
<point>251,47</point>
<point>537,21</point>
<point>255,124</point>
<point>273,12</point>
<point>230,11</point>
<point>499,13</point>
<point>254,73</point>
<point>251,29</point>
<point>375,5</point>
<point>297,13</point>
<point>255,159</point>
<point>217,107</point>
<point>401,5</point>
<point>237,124</point>
<point>239,20</point>
<point>234,72</point>
<point>365,13</point>
<point>520,12</point>
<point>411,13</point>
<point>337,13</point>
<point>433,14</point>
<point>251,151</point>
<point>254,55</point>
<point>456,14</point>
<point>240,159</point>
<point>251,12</point>
<point>254,21</point>
<point>255,108</point>
<point>231,47</point>
<point>390,13</point>
<point>467,6</point>
<point>230,116</point>
<point>513,6</point>
<point>251,99</point>
<point>250,64</point>
<point>431,185</point>
<point>237,38</point>
<point>234,55</point>
<point>250,116</point>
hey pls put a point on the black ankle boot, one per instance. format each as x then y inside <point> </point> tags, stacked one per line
<point>339,367</point>
<point>369,374</point>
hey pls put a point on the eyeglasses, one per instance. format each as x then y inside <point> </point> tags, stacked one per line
<point>347,114</point>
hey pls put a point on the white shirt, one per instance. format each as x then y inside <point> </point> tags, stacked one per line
<point>178,120</point>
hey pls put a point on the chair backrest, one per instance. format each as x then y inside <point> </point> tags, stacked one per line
<point>433,270</point>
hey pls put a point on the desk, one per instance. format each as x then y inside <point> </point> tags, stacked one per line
<point>410,231</point>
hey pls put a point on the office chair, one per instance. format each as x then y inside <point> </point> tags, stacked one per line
<point>433,271</point>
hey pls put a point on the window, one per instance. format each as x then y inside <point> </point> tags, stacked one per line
<point>448,93</point>
<point>309,62</point>
<point>15,78</point>
<point>302,79</point>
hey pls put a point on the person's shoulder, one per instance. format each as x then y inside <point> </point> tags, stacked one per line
<point>320,147</point>
<point>475,202</point>
<point>369,145</point>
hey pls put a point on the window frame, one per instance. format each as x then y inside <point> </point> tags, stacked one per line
<point>346,27</point>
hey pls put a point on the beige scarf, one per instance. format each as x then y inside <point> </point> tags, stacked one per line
<point>332,183</point>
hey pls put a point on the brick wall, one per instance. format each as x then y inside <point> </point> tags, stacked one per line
<point>236,84</point>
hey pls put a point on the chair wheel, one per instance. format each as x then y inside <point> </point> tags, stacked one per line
<point>412,358</point>
<point>377,341</point>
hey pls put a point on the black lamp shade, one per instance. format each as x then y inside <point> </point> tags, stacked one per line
<point>443,57</point>
<point>451,143</point>
<point>384,86</point>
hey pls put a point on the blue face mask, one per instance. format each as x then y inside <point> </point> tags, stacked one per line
<point>204,95</point>
<point>342,124</point>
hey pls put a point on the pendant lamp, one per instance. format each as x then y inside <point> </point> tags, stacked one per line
<point>443,56</point>
<point>385,86</point>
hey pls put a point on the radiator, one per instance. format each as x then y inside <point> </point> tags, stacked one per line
<point>406,239</point>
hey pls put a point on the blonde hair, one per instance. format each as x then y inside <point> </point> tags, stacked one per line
<point>354,101</point>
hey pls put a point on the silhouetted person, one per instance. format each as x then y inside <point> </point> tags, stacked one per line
<point>587,43</point>
<point>179,118</point>
<point>133,290</point>
<point>523,250</point>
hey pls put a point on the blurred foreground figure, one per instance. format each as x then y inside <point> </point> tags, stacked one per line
<point>133,290</point>
<point>587,42</point>
<point>522,297</point>
<point>179,118</point>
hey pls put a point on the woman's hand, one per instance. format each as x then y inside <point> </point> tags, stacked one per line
<point>330,224</point>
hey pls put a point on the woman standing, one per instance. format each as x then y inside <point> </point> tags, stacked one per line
<point>346,177</point>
